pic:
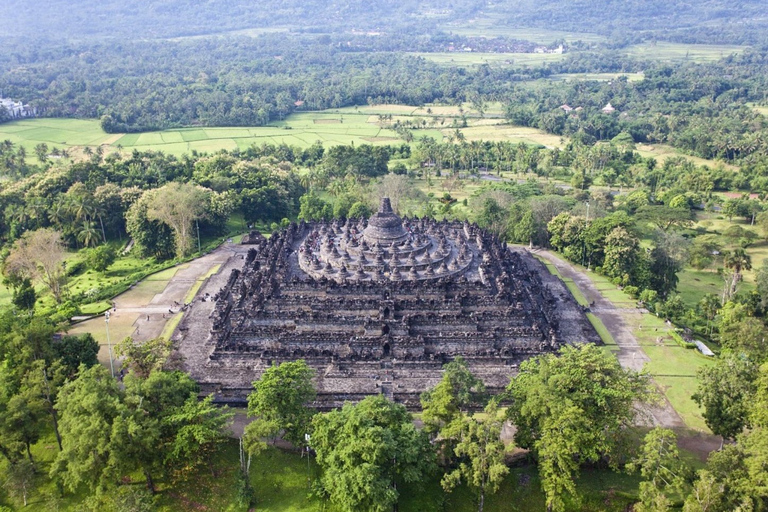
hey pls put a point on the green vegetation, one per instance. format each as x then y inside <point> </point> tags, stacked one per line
<point>182,125</point>
<point>682,53</point>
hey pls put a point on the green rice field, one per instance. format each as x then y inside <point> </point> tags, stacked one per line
<point>301,129</point>
<point>352,125</point>
<point>679,52</point>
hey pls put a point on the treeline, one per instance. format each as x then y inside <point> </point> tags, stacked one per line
<point>628,22</point>
<point>138,86</point>
<point>150,423</point>
<point>700,109</point>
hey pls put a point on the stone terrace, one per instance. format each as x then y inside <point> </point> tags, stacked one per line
<point>376,307</point>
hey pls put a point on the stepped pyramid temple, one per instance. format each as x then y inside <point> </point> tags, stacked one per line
<point>376,306</point>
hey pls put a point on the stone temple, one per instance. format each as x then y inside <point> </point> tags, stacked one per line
<point>376,306</point>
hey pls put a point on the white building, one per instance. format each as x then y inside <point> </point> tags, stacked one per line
<point>16,109</point>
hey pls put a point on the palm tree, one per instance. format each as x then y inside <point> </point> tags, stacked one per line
<point>88,234</point>
<point>59,210</point>
<point>736,261</point>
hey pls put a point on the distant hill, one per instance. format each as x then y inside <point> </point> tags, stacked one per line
<point>721,21</point>
<point>174,18</point>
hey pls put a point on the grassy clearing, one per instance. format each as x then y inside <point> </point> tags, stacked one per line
<point>694,284</point>
<point>580,298</point>
<point>661,152</point>
<point>679,52</point>
<point>122,325</point>
<point>471,59</point>
<point>672,367</point>
<point>510,133</point>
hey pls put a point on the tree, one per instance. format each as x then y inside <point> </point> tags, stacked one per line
<point>312,208</point>
<point>396,187</point>
<point>199,428</point>
<point>664,217</point>
<point>21,423</point>
<point>179,205</point>
<point>736,261</point>
<point>708,307</point>
<point>706,495</point>
<point>571,408</point>
<point>661,468</point>
<point>455,392</point>
<point>728,478</point>
<point>19,480</point>
<point>144,358</point>
<point>88,406</point>
<point>745,337</point>
<point>491,216</point>
<point>667,259</point>
<point>480,453</point>
<point>152,237</point>
<point>44,382</point>
<point>725,392</point>
<point>24,295</point>
<point>39,255</point>
<point>74,350</point>
<point>141,435</point>
<point>365,449</point>
<point>703,251</point>
<point>280,399</point>
<point>359,210</point>
<point>621,253</point>
<point>525,230</point>
<point>100,258</point>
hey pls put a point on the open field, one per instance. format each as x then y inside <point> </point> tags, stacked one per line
<point>600,77</point>
<point>469,59</point>
<point>510,133</point>
<point>662,151</point>
<point>300,129</point>
<point>679,52</point>
<point>358,125</point>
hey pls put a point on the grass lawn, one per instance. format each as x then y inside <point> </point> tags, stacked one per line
<point>694,284</point>
<point>672,366</point>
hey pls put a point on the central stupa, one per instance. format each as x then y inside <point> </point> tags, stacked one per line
<point>385,227</point>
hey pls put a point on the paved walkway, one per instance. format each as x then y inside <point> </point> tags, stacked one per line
<point>153,316</point>
<point>630,353</point>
